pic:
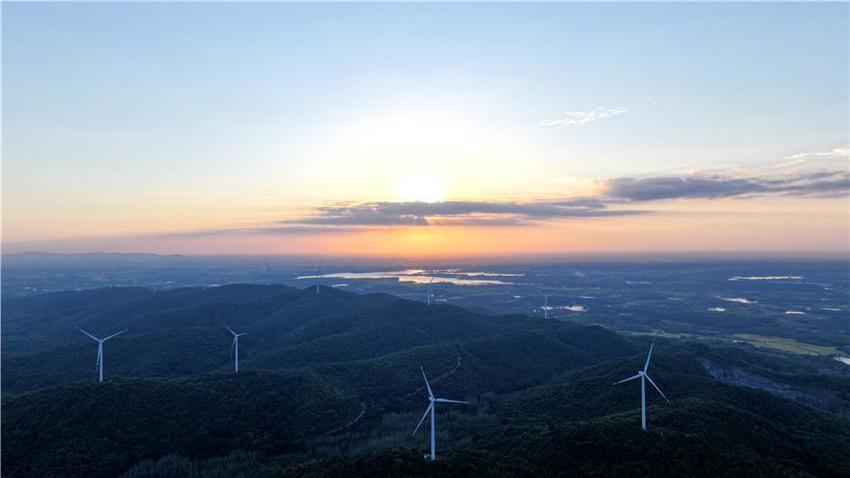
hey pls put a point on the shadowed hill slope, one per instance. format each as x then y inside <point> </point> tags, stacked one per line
<point>330,386</point>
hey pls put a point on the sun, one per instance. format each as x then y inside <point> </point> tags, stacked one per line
<point>420,189</point>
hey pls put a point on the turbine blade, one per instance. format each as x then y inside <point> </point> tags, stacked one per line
<point>233,346</point>
<point>430,393</point>
<point>646,365</point>
<point>446,400</point>
<point>656,387</point>
<point>113,335</point>
<point>228,328</point>
<point>99,355</point>
<point>423,418</point>
<point>90,335</point>
<point>633,377</point>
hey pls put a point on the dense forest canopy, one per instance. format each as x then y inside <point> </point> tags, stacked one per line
<point>329,385</point>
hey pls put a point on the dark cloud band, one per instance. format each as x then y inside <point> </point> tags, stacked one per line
<point>619,197</point>
<point>823,183</point>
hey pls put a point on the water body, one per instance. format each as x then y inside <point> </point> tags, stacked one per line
<point>739,300</point>
<point>737,278</point>
<point>573,308</point>
<point>417,276</point>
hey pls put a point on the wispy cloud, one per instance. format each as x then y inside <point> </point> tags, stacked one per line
<point>574,118</point>
<point>831,153</point>
<point>273,229</point>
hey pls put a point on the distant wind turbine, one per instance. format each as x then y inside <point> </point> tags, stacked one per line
<point>235,347</point>
<point>99,363</point>
<point>318,276</point>
<point>546,306</point>
<point>643,376</point>
<point>430,291</point>
<point>433,400</point>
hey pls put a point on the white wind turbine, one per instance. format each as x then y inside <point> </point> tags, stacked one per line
<point>643,376</point>
<point>235,347</point>
<point>318,277</point>
<point>430,291</point>
<point>546,306</point>
<point>431,410</point>
<point>99,364</point>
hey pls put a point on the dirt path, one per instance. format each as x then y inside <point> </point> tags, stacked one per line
<point>352,422</point>
<point>419,390</point>
<point>437,379</point>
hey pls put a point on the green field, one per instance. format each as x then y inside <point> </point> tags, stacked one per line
<point>787,345</point>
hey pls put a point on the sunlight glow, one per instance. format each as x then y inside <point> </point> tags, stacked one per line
<point>420,189</point>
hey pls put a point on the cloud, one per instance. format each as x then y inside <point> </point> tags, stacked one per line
<point>713,186</point>
<point>618,197</point>
<point>276,229</point>
<point>574,118</point>
<point>832,153</point>
<point>457,212</point>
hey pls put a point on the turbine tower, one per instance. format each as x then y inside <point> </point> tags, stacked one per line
<point>546,306</point>
<point>430,292</point>
<point>99,364</point>
<point>433,400</point>
<point>318,276</point>
<point>643,376</point>
<point>235,347</point>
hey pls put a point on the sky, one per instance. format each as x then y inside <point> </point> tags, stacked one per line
<point>425,129</point>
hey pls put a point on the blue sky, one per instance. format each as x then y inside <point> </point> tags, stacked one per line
<point>142,118</point>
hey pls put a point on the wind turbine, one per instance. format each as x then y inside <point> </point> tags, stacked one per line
<point>318,276</point>
<point>235,347</point>
<point>546,306</point>
<point>430,292</point>
<point>99,364</point>
<point>643,376</point>
<point>433,400</point>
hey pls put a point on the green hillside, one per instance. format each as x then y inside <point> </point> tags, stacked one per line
<point>330,387</point>
<point>87,429</point>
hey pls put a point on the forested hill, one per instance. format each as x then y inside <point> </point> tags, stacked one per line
<point>330,386</point>
<point>181,332</point>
